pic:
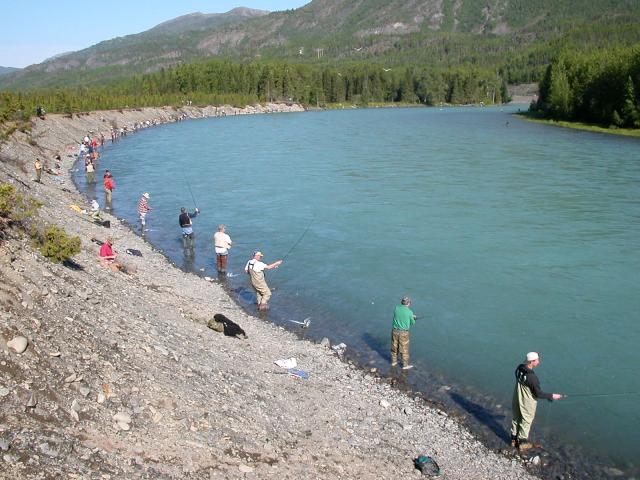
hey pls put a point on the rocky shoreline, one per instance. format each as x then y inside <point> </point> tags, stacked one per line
<point>122,378</point>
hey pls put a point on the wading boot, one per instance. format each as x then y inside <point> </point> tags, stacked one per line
<point>524,446</point>
<point>514,441</point>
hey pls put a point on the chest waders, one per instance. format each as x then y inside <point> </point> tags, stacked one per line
<point>259,284</point>
<point>524,406</point>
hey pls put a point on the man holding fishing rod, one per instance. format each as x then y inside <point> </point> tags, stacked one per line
<point>525,400</point>
<point>255,268</point>
<point>187,227</point>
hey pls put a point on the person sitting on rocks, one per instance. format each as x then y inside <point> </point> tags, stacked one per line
<point>108,257</point>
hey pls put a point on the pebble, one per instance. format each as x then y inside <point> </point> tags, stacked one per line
<point>122,417</point>
<point>123,426</point>
<point>18,344</point>
<point>84,391</point>
<point>101,398</point>
<point>54,354</point>
<point>245,468</point>
<point>4,391</point>
<point>384,403</point>
<point>4,444</point>
<point>71,378</point>
<point>407,410</point>
<point>325,342</point>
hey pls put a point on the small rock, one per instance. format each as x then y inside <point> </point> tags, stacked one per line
<point>4,444</point>
<point>325,342</point>
<point>123,426</point>
<point>245,468</point>
<point>407,426</point>
<point>19,344</point>
<point>54,354</point>
<point>407,410</point>
<point>74,415</point>
<point>614,472</point>
<point>384,403</point>
<point>4,391</point>
<point>33,401</point>
<point>71,378</point>
<point>101,398</point>
<point>84,391</point>
<point>535,460</point>
<point>75,406</point>
<point>122,417</point>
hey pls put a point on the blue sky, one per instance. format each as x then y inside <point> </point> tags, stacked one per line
<point>33,30</point>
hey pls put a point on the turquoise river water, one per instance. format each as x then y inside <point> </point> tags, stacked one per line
<point>509,236</point>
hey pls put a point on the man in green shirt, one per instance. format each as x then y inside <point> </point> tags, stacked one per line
<point>403,318</point>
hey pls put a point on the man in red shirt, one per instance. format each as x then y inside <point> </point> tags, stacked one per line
<point>108,189</point>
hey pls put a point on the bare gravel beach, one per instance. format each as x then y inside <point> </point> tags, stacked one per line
<point>122,378</point>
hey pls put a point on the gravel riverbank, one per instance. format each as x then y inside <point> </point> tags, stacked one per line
<point>122,378</point>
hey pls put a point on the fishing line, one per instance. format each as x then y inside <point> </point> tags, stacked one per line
<point>300,238</point>
<point>195,204</point>
<point>586,395</point>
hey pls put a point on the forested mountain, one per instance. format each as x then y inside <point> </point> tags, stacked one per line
<point>516,38</point>
<point>7,70</point>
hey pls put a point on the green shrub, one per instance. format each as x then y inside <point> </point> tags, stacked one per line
<point>56,245</point>
<point>15,208</point>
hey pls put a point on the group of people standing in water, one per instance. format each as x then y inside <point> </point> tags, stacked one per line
<point>222,244</point>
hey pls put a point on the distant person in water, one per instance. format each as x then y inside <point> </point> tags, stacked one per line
<point>525,401</point>
<point>143,209</point>
<point>187,226</point>
<point>108,184</point>
<point>222,244</point>
<point>255,268</point>
<point>403,319</point>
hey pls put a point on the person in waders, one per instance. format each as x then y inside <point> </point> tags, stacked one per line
<point>525,401</point>
<point>255,268</point>
<point>187,227</point>
<point>222,244</point>
<point>403,318</point>
<point>143,209</point>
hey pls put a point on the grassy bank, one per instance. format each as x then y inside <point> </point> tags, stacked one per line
<point>627,132</point>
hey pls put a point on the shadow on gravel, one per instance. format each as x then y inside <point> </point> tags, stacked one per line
<point>73,265</point>
<point>484,416</point>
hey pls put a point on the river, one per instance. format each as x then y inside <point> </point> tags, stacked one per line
<point>509,236</point>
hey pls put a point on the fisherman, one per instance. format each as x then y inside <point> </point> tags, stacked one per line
<point>187,226</point>
<point>255,268</point>
<point>403,318</point>
<point>525,400</point>
<point>107,180</point>
<point>222,244</point>
<point>37,165</point>
<point>90,170</point>
<point>95,211</point>
<point>143,208</point>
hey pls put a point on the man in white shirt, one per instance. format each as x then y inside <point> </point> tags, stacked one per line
<point>255,268</point>
<point>222,244</point>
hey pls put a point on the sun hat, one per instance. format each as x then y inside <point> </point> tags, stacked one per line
<point>145,195</point>
<point>531,356</point>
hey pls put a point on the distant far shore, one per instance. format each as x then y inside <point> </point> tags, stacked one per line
<point>627,132</point>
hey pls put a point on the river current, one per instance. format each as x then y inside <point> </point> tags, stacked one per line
<point>509,236</point>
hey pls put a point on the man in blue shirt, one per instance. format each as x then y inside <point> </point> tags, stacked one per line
<point>403,318</point>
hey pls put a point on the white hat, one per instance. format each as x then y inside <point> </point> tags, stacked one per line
<point>145,195</point>
<point>531,356</point>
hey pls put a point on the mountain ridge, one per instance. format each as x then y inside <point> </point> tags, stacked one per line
<point>515,36</point>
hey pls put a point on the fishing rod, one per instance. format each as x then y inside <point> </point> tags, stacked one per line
<point>300,238</point>
<point>570,395</point>
<point>195,204</point>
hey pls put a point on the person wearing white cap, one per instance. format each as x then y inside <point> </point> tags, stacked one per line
<point>143,208</point>
<point>525,401</point>
<point>255,268</point>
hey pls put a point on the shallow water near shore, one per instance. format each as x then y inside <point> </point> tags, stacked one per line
<point>509,236</point>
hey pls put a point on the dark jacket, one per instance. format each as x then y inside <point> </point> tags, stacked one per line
<point>526,376</point>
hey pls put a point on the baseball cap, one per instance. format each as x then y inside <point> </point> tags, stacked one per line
<point>145,195</point>
<point>258,252</point>
<point>531,356</point>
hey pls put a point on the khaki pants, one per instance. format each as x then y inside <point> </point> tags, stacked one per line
<point>260,286</point>
<point>400,343</point>
<point>38,175</point>
<point>524,407</point>
<point>107,196</point>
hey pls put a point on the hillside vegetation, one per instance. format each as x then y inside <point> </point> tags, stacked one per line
<point>514,38</point>
<point>601,87</point>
